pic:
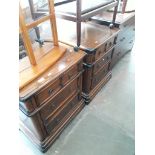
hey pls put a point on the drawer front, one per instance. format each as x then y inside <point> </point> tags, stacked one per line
<point>48,91</point>
<point>105,47</point>
<point>99,64</point>
<point>117,55</point>
<point>58,101</point>
<point>127,23</point>
<point>72,73</point>
<point>126,35</point>
<point>100,74</point>
<point>100,51</point>
<point>60,116</point>
<point>120,50</point>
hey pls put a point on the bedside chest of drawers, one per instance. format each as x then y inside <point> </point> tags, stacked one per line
<point>98,42</point>
<point>50,102</point>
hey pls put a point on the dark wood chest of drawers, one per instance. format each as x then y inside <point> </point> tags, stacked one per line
<point>50,102</point>
<point>125,40</point>
<point>98,42</point>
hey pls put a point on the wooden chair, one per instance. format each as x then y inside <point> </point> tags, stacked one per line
<point>40,59</point>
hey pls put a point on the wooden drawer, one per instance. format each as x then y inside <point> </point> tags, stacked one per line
<point>48,91</point>
<point>105,47</point>
<point>102,61</point>
<point>58,119</point>
<point>100,74</point>
<point>95,54</point>
<point>125,36</point>
<point>120,50</point>
<point>59,100</point>
<point>72,73</point>
<point>128,22</point>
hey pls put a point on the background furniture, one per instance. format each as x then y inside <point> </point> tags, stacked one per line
<point>98,42</point>
<point>125,41</point>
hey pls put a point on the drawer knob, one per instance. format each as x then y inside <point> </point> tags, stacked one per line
<point>105,47</point>
<point>69,76</point>
<point>50,91</point>
<point>103,59</point>
<point>122,39</point>
<point>131,42</point>
<point>110,44</point>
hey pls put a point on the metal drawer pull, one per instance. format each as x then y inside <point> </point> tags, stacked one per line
<point>131,41</point>
<point>69,76</point>
<point>50,91</point>
<point>122,39</point>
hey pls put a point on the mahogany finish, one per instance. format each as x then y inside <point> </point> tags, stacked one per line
<point>51,101</point>
<point>98,42</point>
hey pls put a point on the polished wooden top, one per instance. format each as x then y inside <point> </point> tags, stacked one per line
<point>92,35</point>
<point>68,60</point>
<point>46,56</point>
<point>120,18</point>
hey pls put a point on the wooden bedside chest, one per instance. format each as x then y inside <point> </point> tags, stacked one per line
<point>98,42</point>
<point>52,100</point>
